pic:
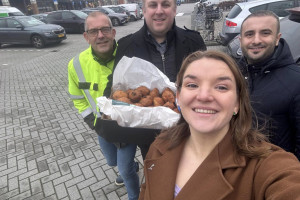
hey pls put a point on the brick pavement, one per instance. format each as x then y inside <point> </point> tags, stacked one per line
<point>46,150</point>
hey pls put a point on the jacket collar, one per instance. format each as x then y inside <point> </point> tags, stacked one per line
<point>101,62</point>
<point>208,180</point>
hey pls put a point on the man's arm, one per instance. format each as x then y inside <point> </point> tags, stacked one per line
<point>295,120</point>
<point>79,100</point>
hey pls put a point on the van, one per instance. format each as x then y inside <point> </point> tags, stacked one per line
<point>6,11</point>
<point>134,9</point>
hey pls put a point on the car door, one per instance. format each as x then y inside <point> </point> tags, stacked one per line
<point>70,21</point>
<point>55,18</point>
<point>15,32</point>
<point>3,28</point>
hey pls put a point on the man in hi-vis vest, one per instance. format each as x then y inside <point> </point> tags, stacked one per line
<point>87,74</point>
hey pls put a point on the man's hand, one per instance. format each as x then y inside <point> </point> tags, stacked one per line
<point>90,120</point>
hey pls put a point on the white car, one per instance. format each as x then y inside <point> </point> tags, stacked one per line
<point>233,21</point>
<point>134,9</point>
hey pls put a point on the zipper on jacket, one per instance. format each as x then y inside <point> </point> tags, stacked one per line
<point>163,62</point>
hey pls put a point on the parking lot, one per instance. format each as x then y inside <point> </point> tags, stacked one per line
<point>47,151</point>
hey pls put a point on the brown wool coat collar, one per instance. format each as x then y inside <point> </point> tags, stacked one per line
<point>203,183</point>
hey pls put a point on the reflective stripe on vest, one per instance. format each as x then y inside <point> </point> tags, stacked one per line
<point>76,97</point>
<point>77,67</point>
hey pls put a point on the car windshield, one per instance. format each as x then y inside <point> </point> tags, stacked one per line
<point>30,21</point>
<point>80,14</point>
<point>109,10</point>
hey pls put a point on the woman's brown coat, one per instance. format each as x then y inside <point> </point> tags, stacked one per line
<point>220,176</point>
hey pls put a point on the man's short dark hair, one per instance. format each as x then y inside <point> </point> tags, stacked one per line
<point>263,13</point>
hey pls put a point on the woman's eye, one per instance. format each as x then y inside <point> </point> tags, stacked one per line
<point>191,85</point>
<point>221,87</point>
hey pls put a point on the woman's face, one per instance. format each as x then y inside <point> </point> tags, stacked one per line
<point>208,96</point>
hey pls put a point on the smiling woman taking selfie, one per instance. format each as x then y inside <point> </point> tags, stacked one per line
<point>214,152</point>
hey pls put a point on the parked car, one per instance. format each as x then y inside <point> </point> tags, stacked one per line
<point>118,9</point>
<point>6,11</point>
<point>117,19</point>
<point>42,17</point>
<point>134,9</point>
<point>71,20</point>
<point>289,28</point>
<point>28,30</point>
<point>232,22</point>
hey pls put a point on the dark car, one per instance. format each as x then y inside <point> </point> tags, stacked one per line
<point>289,28</point>
<point>42,17</point>
<point>71,20</point>
<point>116,18</point>
<point>28,30</point>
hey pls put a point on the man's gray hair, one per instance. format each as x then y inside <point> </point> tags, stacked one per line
<point>96,14</point>
<point>263,13</point>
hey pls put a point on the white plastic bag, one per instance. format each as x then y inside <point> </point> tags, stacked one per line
<point>131,73</point>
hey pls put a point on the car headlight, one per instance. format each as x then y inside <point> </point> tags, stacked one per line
<point>48,33</point>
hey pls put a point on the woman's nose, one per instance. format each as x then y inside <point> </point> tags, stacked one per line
<point>204,94</point>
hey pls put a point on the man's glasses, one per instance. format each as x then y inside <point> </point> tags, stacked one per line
<point>94,32</point>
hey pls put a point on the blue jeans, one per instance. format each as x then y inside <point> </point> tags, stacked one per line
<point>124,159</point>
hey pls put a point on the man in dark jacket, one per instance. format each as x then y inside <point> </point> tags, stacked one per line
<point>273,79</point>
<point>160,42</point>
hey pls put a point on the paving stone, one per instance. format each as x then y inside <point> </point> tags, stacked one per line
<point>61,191</point>
<point>74,181</point>
<point>24,185</point>
<point>48,189</point>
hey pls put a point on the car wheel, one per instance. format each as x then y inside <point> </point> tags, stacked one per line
<point>37,41</point>
<point>115,22</point>
<point>132,18</point>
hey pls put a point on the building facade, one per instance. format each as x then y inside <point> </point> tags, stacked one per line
<point>29,7</point>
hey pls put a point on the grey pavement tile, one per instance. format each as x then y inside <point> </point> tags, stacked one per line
<point>13,183</point>
<point>12,193</point>
<point>24,185</point>
<point>73,193</point>
<point>17,173</point>
<point>100,184</point>
<point>74,181</point>
<point>31,164</point>
<point>64,168</point>
<point>112,196</point>
<point>28,174</point>
<point>61,191</point>
<point>76,170</point>
<point>51,177</point>
<point>39,175</point>
<point>99,194</point>
<point>62,179</point>
<point>86,183</point>
<point>86,193</point>
<point>35,187</point>
<point>99,173</point>
<point>3,190</point>
<point>87,172</point>
<point>48,189</point>
<point>3,181</point>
